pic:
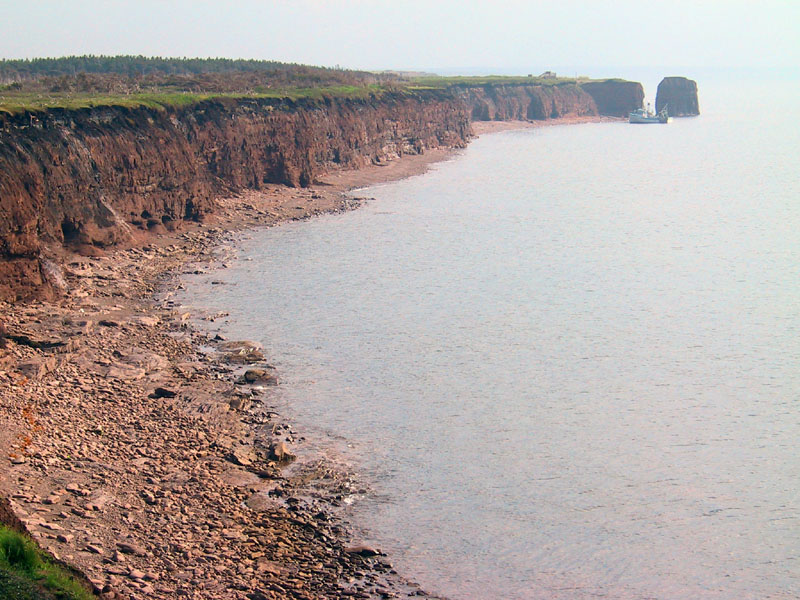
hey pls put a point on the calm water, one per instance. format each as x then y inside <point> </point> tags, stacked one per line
<point>567,361</point>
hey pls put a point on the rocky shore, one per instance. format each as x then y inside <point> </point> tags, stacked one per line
<point>141,451</point>
<point>144,452</point>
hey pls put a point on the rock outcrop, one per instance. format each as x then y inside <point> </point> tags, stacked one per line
<point>679,95</point>
<point>527,102</point>
<point>94,177</point>
<point>615,97</point>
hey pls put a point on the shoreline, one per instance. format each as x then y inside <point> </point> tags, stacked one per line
<point>182,492</point>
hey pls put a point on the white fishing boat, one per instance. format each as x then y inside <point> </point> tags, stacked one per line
<point>645,115</point>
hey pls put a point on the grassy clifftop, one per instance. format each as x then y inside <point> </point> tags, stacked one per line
<point>15,101</point>
<point>136,81</point>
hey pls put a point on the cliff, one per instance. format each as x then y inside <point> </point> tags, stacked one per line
<point>91,177</point>
<point>615,97</point>
<point>679,95</point>
<point>527,102</point>
<point>94,177</point>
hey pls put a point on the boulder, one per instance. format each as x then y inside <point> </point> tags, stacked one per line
<point>131,548</point>
<point>259,377</point>
<point>142,358</point>
<point>279,452</point>
<point>239,403</point>
<point>365,551</point>
<point>37,367</point>
<point>242,352</point>
<point>242,456</point>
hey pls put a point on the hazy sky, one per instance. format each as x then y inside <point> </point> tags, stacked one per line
<point>445,35</point>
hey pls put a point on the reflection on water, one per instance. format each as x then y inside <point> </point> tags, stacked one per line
<point>567,360</point>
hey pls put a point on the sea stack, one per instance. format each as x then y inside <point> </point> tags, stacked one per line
<point>679,95</point>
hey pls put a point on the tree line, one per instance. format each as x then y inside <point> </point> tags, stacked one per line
<point>132,66</point>
<point>130,74</point>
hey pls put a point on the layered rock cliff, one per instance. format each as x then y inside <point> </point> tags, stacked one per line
<point>89,177</point>
<point>527,102</point>
<point>93,177</point>
<point>615,97</point>
<point>679,95</point>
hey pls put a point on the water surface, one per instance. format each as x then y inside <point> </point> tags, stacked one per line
<point>566,360</point>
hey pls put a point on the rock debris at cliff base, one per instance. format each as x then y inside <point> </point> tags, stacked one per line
<point>179,493</point>
<point>92,178</point>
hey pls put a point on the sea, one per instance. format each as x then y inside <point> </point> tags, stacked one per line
<point>565,363</point>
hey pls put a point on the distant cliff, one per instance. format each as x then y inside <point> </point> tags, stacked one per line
<point>615,97</point>
<point>92,176</point>
<point>679,95</point>
<point>527,102</point>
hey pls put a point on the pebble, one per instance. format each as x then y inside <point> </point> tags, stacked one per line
<point>131,548</point>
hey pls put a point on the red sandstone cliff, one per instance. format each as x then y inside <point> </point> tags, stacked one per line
<point>527,102</point>
<point>615,97</point>
<point>92,176</point>
<point>89,176</point>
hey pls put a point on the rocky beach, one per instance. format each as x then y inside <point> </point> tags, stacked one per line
<point>140,450</point>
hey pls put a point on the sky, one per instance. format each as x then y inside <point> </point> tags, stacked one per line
<point>445,36</point>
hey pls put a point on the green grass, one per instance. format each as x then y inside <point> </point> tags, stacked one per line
<point>439,82</point>
<point>13,101</point>
<point>17,101</point>
<point>26,573</point>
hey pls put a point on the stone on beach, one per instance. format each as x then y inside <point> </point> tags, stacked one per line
<point>280,453</point>
<point>161,392</point>
<point>259,376</point>
<point>242,456</point>
<point>242,352</point>
<point>363,551</point>
<point>131,548</point>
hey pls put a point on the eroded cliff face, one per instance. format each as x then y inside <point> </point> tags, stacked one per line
<point>615,97</point>
<point>527,102</point>
<point>679,95</point>
<point>94,177</point>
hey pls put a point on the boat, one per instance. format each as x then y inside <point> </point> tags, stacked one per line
<point>645,115</point>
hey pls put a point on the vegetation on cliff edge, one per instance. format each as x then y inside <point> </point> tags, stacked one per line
<point>26,573</point>
<point>18,102</point>
<point>132,81</point>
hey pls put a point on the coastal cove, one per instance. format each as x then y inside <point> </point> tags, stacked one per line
<point>561,371</point>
